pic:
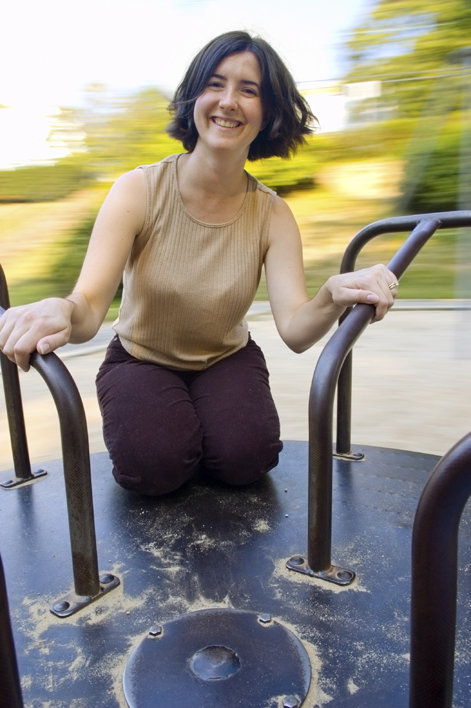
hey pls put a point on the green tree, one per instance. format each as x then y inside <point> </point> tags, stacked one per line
<point>407,44</point>
<point>124,132</point>
<point>420,52</point>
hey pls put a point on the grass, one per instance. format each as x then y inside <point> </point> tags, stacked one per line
<point>348,197</point>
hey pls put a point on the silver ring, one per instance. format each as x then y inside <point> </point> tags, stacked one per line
<point>393,285</point>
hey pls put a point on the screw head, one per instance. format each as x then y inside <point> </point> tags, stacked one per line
<point>297,560</point>
<point>155,630</point>
<point>106,578</point>
<point>290,702</point>
<point>264,618</point>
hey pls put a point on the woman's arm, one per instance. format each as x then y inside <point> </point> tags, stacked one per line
<point>300,321</point>
<point>51,323</point>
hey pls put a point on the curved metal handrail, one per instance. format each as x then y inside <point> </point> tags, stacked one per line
<point>434,578</point>
<point>14,406</point>
<point>76,460</point>
<point>398,224</point>
<point>10,686</point>
<point>77,475</point>
<point>321,403</point>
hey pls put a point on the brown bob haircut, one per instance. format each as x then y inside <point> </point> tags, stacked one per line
<point>289,118</point>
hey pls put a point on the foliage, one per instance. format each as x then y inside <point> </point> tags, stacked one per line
<point>123,133</point>
<point>382,139</point>
<point>42,183</point>
<point>420,52</point>
<point>285,175</point>
<point>432,173</point>
<point>65,270</point>
<point>407,44</point>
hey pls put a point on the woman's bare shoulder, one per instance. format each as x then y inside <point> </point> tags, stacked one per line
<point>132,180</point>
<point>282,217</point>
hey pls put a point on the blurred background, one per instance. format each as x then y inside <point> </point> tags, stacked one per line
<point>84,92</point>
<point>85,95</point>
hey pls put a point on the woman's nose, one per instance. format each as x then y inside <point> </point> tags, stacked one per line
<point>228,100</point>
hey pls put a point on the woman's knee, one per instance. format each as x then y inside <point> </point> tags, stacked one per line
<point>150,428</point>
<point>245,461</point>
<point>152,469</point>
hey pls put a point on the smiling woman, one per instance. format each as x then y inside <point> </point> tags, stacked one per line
<point>230,107</point>
<point>287,116</point>
<point>183,385</point>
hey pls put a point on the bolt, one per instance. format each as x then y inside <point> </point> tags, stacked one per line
<point>264,618</point>
<point>155,630</point>
<point>106,579</point>
<point>297,560</point>
<point>345,575</point>
<point>290,702</point>
<point>61,606</point>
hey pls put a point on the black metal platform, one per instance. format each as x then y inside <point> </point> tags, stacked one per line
<point>210,545</point>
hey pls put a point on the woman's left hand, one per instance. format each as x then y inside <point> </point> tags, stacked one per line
<point>369,285</point>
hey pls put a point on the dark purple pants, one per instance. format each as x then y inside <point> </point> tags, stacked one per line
<point>159,425</point>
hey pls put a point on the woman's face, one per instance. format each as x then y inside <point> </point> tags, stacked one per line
<point>229,113</point>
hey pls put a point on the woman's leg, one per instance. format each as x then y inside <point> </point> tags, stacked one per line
<point>241,428</point>
<point>149,423</point>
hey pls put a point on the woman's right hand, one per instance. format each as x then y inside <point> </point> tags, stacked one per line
<point>41,326</point>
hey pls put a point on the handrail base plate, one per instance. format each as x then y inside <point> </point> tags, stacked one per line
<point>72,603</point>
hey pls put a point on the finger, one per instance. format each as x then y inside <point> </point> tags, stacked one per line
<point>52,342</point>
<point>352,296</point>
<point>19,347</point>
<point>6,328</point>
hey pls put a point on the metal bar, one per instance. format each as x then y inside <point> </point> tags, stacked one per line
<point>13,402</point>
<point>344,408</point>
<point>398,224</point>
<point>434,578</point>
<point>76,458</point>
<point>321,402</point>
<point>453,219</point>
<point>10,687</point>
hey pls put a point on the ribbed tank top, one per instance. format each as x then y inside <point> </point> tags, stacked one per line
<point>188,285</point>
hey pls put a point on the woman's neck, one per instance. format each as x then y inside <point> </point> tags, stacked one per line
<point>212,189</point>
<point>221,174</point>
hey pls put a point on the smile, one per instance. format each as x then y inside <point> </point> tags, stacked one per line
<point>226,123</point>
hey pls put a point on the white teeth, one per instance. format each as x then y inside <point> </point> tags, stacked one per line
<point>225,123</point>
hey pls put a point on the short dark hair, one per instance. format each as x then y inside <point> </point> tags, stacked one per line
<point>287,114</point>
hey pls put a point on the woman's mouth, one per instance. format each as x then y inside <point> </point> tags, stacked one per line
<point>226,123</point>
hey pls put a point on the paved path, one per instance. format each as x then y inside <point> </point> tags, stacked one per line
<point>412,383</point>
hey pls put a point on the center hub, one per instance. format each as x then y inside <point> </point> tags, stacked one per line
<point>215,663</point>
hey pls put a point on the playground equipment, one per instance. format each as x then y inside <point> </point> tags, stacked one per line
<point>219,596</point>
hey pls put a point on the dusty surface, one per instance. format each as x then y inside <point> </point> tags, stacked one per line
<point>412,385</point>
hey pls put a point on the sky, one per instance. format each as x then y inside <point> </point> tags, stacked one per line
<point>50,50</point>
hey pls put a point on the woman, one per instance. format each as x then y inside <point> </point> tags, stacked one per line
<point>183,385</point>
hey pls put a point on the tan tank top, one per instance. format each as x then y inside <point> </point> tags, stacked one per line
<point>187,284</point>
